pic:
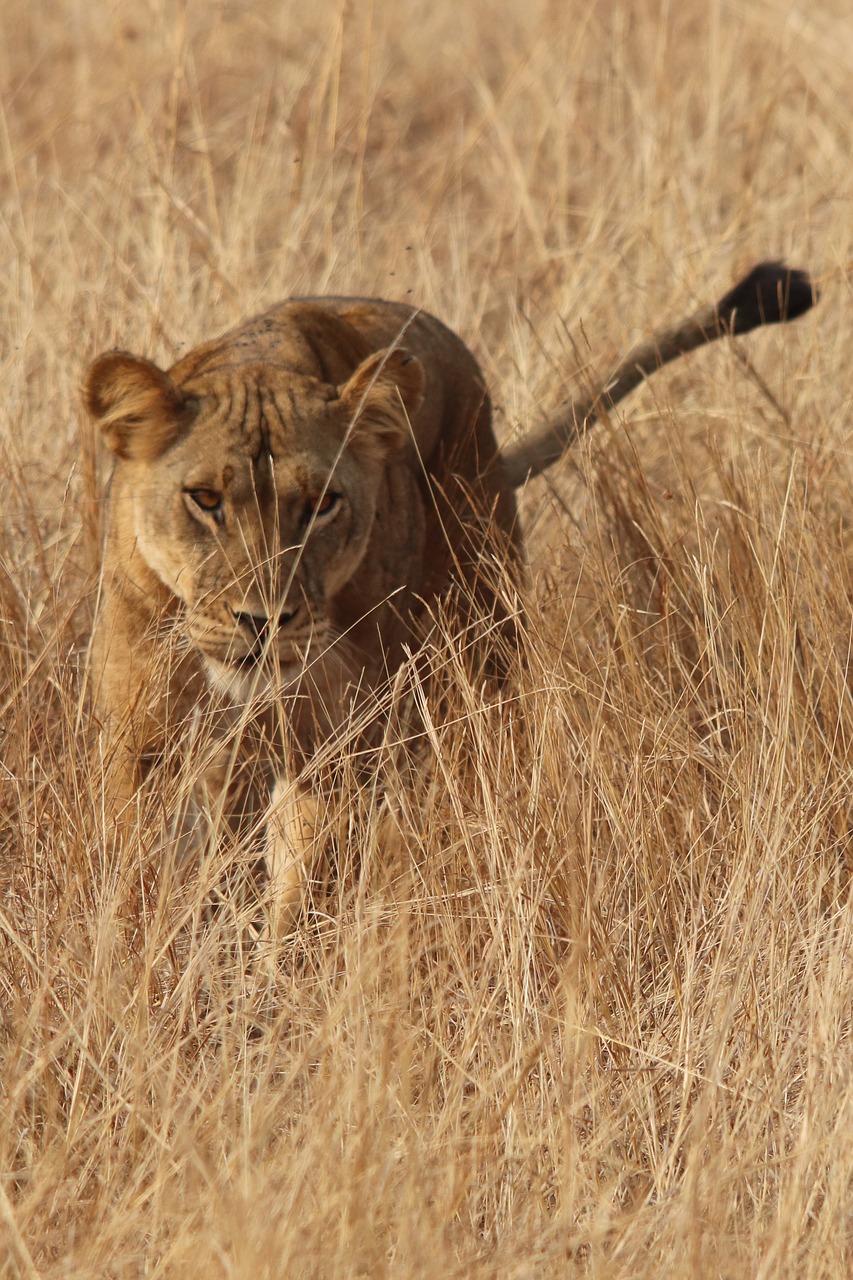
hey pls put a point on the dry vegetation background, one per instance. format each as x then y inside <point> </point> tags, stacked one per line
<point>590,1011</point>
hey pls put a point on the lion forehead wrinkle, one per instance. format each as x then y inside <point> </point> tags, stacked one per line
<point>239,417</point>
<point>273,423</point>
<point>286,412</point>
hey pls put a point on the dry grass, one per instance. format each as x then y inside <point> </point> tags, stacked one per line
<point>585,1007</point>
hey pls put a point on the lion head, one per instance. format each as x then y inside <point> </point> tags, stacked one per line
<point>250,489</point>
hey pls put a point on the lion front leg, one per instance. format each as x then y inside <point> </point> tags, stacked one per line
<point>294,843</point>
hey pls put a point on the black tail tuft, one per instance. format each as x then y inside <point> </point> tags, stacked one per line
<point>770,294</point>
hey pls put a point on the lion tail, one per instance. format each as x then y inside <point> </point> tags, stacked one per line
<point>770,294</point>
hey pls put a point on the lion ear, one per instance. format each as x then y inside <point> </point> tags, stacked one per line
<point>137,407</point>
<point>381,398</point>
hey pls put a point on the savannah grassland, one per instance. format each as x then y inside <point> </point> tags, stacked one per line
<point>579,1002</point>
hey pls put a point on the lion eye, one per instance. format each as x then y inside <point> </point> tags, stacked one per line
<point>207,500</point>
<point>322,505</point>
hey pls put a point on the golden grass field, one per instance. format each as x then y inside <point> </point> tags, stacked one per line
<point>586,1010</point>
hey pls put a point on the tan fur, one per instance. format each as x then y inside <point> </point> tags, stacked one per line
<point>368,402</point>
<point>290,501</point>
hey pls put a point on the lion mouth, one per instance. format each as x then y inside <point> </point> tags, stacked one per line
<point>272,662</point>
<point>262,655</point>
<point>254,658</point>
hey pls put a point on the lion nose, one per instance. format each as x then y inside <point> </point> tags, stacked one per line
<point>258,624</point>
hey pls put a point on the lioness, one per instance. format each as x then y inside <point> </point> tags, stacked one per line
<point>291,500</point>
